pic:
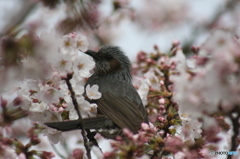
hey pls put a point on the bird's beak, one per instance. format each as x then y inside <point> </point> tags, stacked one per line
<point>93,54</point>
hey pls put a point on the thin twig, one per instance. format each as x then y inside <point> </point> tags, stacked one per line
<point>91,138</point>
<point>86,144</point>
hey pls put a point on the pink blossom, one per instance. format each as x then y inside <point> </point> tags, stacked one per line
<point>7,152</point>
<point>47,155</point>
<point>128,133</point>
<point>173,144</point>
<point>191,129</point>
<point>145,126</point>
<point>78,153</point>
<point>161,101</point>
<point>21,156</point>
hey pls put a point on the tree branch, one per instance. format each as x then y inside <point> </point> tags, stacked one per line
<point>86,144</point>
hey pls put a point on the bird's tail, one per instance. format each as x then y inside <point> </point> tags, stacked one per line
<point>89,123</point>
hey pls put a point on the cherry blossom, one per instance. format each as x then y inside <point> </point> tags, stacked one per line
<point>82,65</point>
<point>143,91</point>
<point>92,92</point>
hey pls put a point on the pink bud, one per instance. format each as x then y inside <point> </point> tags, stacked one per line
<point>60,110</point>
<point>175,43</point>
<point>3,102</point>
<point>77,153</point>
<point>109,155</point>
<point>119,138</point>
<point>21,156</point>
<point>161,119</point>
<point>127,132</point>
<point>64,105</point>
<point>161,101</point>
<point>46,154</point>
<point>161,83</point>
<point>162,60</point>
<point>149,60</point>
<point>17,101</point>
<point>145,126</point>
<point>136,137</point>
<point>161,107</point>
<point>195,49</point>
<point>170,87</point>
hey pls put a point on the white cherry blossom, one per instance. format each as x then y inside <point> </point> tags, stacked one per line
<point>92,92</point>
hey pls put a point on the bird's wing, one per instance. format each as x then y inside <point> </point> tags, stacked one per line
<point>99,122</point>
<point>121,103</point>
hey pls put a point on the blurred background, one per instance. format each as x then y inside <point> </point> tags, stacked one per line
<point>131,24</point>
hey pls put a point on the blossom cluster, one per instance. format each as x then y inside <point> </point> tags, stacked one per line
<point>48,99</point>
<point>186,114</point>
<point>189,101</point>
<point>44,96</point>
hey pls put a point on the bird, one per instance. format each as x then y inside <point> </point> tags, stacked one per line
<point>120,105</point>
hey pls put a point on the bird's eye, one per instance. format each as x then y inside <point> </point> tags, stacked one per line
<point>109,57</point>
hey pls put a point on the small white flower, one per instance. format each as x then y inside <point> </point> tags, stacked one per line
<point>75,41</point>
<point>143,91</point>
<point>92,110</point>
<point>145,126</point>
<point>78,86</point>
<point>54,135</point>
<point>153,79</point>
<point>81,43</point>
<point>92,92</point>
<point>62,63</point>
<point>38,107</point>
<point>82,65</point>
<point>73,114</point>
<point>45,116</point>
<point>191,129</point>
<point>48,95</point>
<point>161,101</point>
<point>86,109</point>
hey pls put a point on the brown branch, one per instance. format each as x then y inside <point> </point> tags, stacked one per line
<point>91,138</point>
<point>75,103</point>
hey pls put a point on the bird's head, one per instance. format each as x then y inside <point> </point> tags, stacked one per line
<point>110,60</point>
